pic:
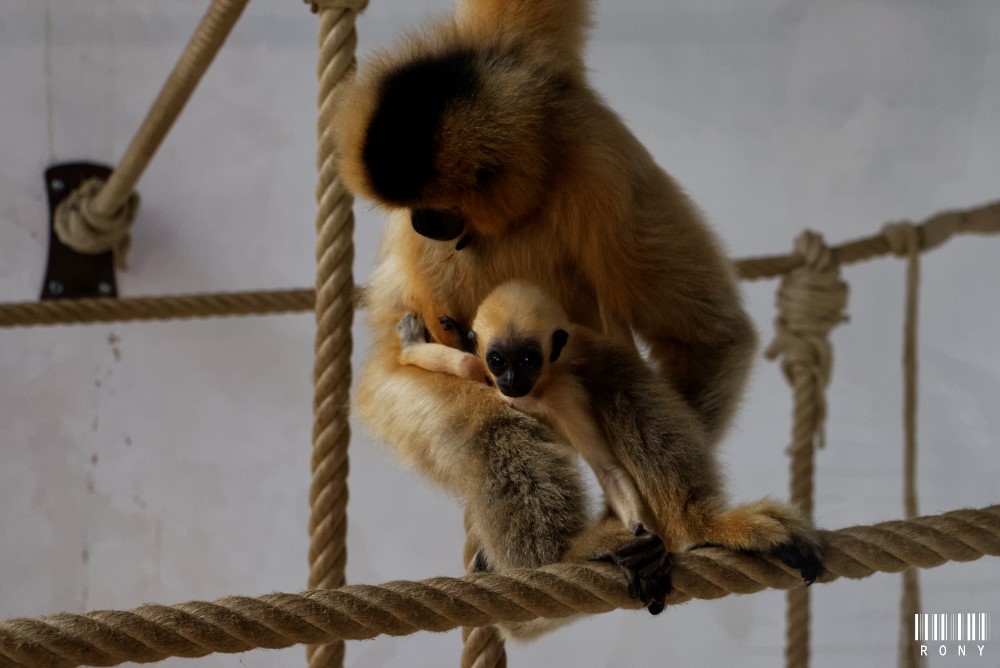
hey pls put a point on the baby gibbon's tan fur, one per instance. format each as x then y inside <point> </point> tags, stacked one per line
<point>495,160</point>
<point>603,399</point>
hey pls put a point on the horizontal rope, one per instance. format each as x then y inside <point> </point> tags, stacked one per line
<point>931,233</point>
<point>80,311</point>
<point>355,612</point>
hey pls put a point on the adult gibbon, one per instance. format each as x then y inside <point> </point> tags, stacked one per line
<point>495,160</point>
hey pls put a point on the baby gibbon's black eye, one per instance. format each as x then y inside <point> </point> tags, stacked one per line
<point>495,362</point>
<point>529,360</point>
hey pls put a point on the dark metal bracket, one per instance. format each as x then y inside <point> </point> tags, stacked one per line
<point>69,274</point>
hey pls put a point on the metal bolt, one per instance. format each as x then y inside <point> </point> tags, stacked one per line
<point>104,289</point>
<point>55,288</point>
<point>58,185</point>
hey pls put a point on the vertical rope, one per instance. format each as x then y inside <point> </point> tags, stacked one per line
<point>904,239</point>
<point>483,645</point>
<point>334,315</point>
<point>106,211</point>
<point>811,300</point>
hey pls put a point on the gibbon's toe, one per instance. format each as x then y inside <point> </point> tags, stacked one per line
<point>479,564</point>
<point>802,556</point>
<point>410,329</point>
<point>449,324</point>
<point>646,565</point>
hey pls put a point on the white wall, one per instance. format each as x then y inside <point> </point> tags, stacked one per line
<point>165,462</point>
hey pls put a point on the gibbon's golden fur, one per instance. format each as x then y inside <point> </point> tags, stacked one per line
<point>495,160</point>
<point>629,426</point>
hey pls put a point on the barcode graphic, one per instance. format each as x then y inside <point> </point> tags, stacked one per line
<point>951,626</point>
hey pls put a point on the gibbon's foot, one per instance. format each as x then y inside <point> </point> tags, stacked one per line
<point>411,329</point>
<point>479,564</point>
<point>646,565</point>
<point>802,556</point>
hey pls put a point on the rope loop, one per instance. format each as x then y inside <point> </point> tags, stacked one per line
<point>815,253</point>
<point>903,238</point>
<point>356,6</point>
<point>811,302</point>
<point>85,230</point>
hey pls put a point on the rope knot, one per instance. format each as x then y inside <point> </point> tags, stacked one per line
<point>810,301</point>
<point>86,231</point>
<point>814,251</point>
<point>903,238</point>
<point>356,6</point>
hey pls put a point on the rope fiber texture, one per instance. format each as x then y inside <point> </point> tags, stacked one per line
<point>932,233</point>
<point>82,228</point>
<point>334,316</point>
<point>355,612</point>
<point>80,311</point>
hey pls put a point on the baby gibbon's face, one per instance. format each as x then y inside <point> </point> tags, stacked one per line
<point>515,364</point>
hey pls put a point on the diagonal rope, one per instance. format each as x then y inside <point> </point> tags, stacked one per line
<point>355,612</point>
<point>99,216</point>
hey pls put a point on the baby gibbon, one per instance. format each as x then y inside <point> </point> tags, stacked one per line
<point>605,401</point>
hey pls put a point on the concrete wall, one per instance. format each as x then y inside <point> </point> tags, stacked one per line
<point>165,462</point>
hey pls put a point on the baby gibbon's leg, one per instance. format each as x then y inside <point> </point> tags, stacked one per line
<point>416,351</point>
<point>566,405</point>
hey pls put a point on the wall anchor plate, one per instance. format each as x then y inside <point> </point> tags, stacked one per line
<point>69,274</point>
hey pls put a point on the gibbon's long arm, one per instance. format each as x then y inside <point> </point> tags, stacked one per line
<point>658,269</point>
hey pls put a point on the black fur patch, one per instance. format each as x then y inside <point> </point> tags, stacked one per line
<point>401,140</point>
<point>559,339</point>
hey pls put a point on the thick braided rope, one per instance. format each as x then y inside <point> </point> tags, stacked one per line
<point>904,240</point>
<point>334,315</point>
<point>79,311</point>
<point>238,624</point>
<point>99,219</point>
<point>811,300</point>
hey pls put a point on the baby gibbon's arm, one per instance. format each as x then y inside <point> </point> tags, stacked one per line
<point>435,357</point>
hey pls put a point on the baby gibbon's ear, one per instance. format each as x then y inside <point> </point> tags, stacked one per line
<point>558,24</point>
<point>559,339</point>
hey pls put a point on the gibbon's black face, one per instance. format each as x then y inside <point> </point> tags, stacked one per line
<point>515,365</point>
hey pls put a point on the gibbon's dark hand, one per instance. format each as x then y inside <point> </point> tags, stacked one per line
<point>646,565</point>
<point>801,556</point>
